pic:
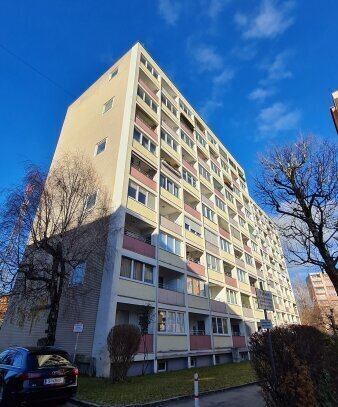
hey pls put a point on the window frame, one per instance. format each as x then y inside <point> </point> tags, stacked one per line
<point>132,271</point>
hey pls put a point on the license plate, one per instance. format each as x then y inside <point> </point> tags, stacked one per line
<point>54,380</point>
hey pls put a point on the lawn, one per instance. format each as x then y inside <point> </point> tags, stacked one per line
<point>164,385</point>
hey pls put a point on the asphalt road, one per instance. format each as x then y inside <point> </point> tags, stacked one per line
<point>242,397</point>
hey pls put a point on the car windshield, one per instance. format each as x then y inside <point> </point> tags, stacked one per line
<point>51,359</point>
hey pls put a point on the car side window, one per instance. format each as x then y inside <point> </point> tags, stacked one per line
<point>9,358</point>
<point>3,356</point>
<point>17,359</point>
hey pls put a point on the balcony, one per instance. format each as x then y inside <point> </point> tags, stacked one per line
<point>196,268</point>
<point>146,127</point>
<point>219,193</point>
<point>169,167</point>
<point>239,262</point>
<point>170,225</point>
<point>207,201</point>
<point>143,177</point>
<point>230,281</point>
<point>238,340</point>
<point>146,87</point>
<point>218,306</point>
<point>169,129</point>
<point>247,248</point>
<point>199,341</point>
<point>187,130</point>
<point>189,167</point>
<point>146,345</point>
<point>169,296</point>
<point>138,244</point>
<point>224,233</point>
<point>192,211</point>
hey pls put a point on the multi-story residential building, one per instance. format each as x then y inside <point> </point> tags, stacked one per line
<point>186,238</point>
<point>322,292</point>
<point>334,109</point>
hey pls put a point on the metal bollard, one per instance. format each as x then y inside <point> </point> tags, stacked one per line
<point>197,401</point>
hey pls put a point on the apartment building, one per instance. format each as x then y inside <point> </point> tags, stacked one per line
<point>322,291</point>
<point>185,239</point>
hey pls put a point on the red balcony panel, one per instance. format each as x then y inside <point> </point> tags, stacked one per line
<point>214,161</point>
<point>144,126</point>
<point>199,342</point>
<point>224,233</point>
<point>192,211</point>
<point>218,193</point>
<point>195,268</point>
<point>169,130</point>
<point>239,262</point>
<point>238,341</point>
<point>146,344</point>
<point>137,246</point>
<point>189,167</point>
<point>174,227</point>
<point>247,248</point>
<point>170,297</point>
<point>230,281</point>
<point>187,130</point>
<point>134,172</point>
<point>147,89</point>
<point>253,290</point>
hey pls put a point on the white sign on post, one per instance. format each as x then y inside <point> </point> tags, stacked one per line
<point>266,324</point>
<point>264,299</point>
<point>78,328</point>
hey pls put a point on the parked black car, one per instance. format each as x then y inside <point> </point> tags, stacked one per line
<point>29,375</point>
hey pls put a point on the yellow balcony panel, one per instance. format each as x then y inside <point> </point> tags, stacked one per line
<point>219,179</point>
<point>235,309</point>
<point>188,149</point>
<point>210,224</point>
<point>171,343</point>
<point>141,210</point>
<point>203,149</point>
<point>170,151</point>
<point>221,342</point>
<point>133,289</point>
<point>144,152</point>
<point>227,256</point>
<point>191,189</point>
<point>259,314</point>
<point>169,113</point>
<point>197,240</point>
<point>147,109</point>
<point>221,213</point>
<point>171,259</point>
<point>214,275</point>
<point>198,302</point>
<point>150,76</point>
<point>244,287</point>
<point>207,183</point>
<point>249,268</point>
<point>236,241</point>
<point>231,205</point>
<point>171,198</point>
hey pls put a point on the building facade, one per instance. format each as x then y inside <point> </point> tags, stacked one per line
<point>186,239</point>
<point>323,293</point>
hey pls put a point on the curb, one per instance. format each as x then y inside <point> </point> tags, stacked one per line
<point>83,403</point>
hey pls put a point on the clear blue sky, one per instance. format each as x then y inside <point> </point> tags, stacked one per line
<point>259,72</point>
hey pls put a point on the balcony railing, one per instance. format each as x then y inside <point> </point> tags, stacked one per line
<point>218,306</point>
<point>192,211</point>
<point>189,167</point>
<point>196,268</point>
<point>148,90</point>
<point>187,130</point>
<point>169,224</point>
<point>138,244</point>
<point>224,233</point>
<point>199,341</point>
<point>239,262</point>
<point>167,295</point>
<point>143,177</point>
<point>230,281</point>
<point>168,129</point>
<point>176,173</point>
<point>145,239</point>
<point>145,126</point>
<point>146,344</point>
<point>238,340</point>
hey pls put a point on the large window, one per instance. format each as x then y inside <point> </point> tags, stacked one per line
<point>231,297</point>
<point>213,263</point>
<point>225,245</point>
<point>141,195</point>
<point>201,140</point>
<point>170,243</point>
<point>229,196</point>
<point>208,213</point>
<point>224,166</point>
<point>220,326</point>
<point>149,67</point>
<point>170,186</point>
<point>215,169</point>
<point>170,321</point>
<point>248,259</point>
<point>220,204</point>
<point>185,109</point>
<point>192,226</point>
<point>77,274</point>
<point>242,276</point>
<point>136,270</point>
<point>189,178</point>
<point>187,139</point>
<point>108,105</point>
<point>100,147</point>
<point>196,287</point>
<point>147,99</point>
<point>169,140</point>
<point>204,173</point>
<point>144,140</point>
<point>169,105</point>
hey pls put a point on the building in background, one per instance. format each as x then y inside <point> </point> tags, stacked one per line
<point>323,293</point>
<point>334,109</point>
<point>186,237</point>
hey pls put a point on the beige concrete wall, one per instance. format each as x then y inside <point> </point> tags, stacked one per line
<point>171,343</point>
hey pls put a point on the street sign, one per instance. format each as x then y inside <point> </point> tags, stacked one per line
<point>78,328</point>
<point>264,299</point>
<point>266,324</point>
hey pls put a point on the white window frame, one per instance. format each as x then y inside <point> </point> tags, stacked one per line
<point>204,173</point>
<point>139,189</point>
<point>113,73</point>
<point>147,99</point>
<point>215,169</point>
<point>98,144</point>
<point>187,140</point>
<point>169,140</point>
<point>174,326</point>
<point>208,213</point>
<point>232,296</point>
<point>213,263</point>
<point>164,245</point>
<point>109,103</point>
<point>224,323</point>
<point>190,179</point>
<point>225,245</point>
<point>220,204</point>
<point>131,278</point>
<point>148,142</point>
<point>170,186</point>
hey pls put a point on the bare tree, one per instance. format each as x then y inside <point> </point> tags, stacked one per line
<point>299,183</point>
<point>48,227</point>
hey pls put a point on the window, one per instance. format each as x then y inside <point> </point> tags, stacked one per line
<point>213,263</point>
<point>185,109</point>
<point>161,366</point>
<point>245,301</point>
<point>170,243</point>
<point>196,287</point>
<point>141,195</point>
<point>205,174</point>
<point>215,169</point>
<point>189,178</point>
<point>169,185</point>
<point>169,105</point>
<point>136,270</point>
<point>170,321</point>
<point>201,139</point>
<point>113,73</point>
<point>220,204</point>
<point>187,139</point>
<point>233,165</point>
<point>108,105</point>
<point>254,246</point>
<point>147,99</point>
<point>229,196</point>
<point>226,246</point>
<point>211,139</point>
<point>224,166</point>
<point>248,259</point>
<point>146,143</point>
<point>192,227</point>
<point>100,147</point>
<point>211,237</point>
<point>90,201</point>
<point>231,297</point>
<point>77,274</point>
<point>241,221</point>
<point>219,326</point>
<point>208,213</point>
<point>242,276</point>
<point>169,140</point>
<point>236,190</point>
<point>149,67</point>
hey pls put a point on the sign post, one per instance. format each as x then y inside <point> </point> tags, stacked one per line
<point>265,302</point>
<point>78,328</point>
